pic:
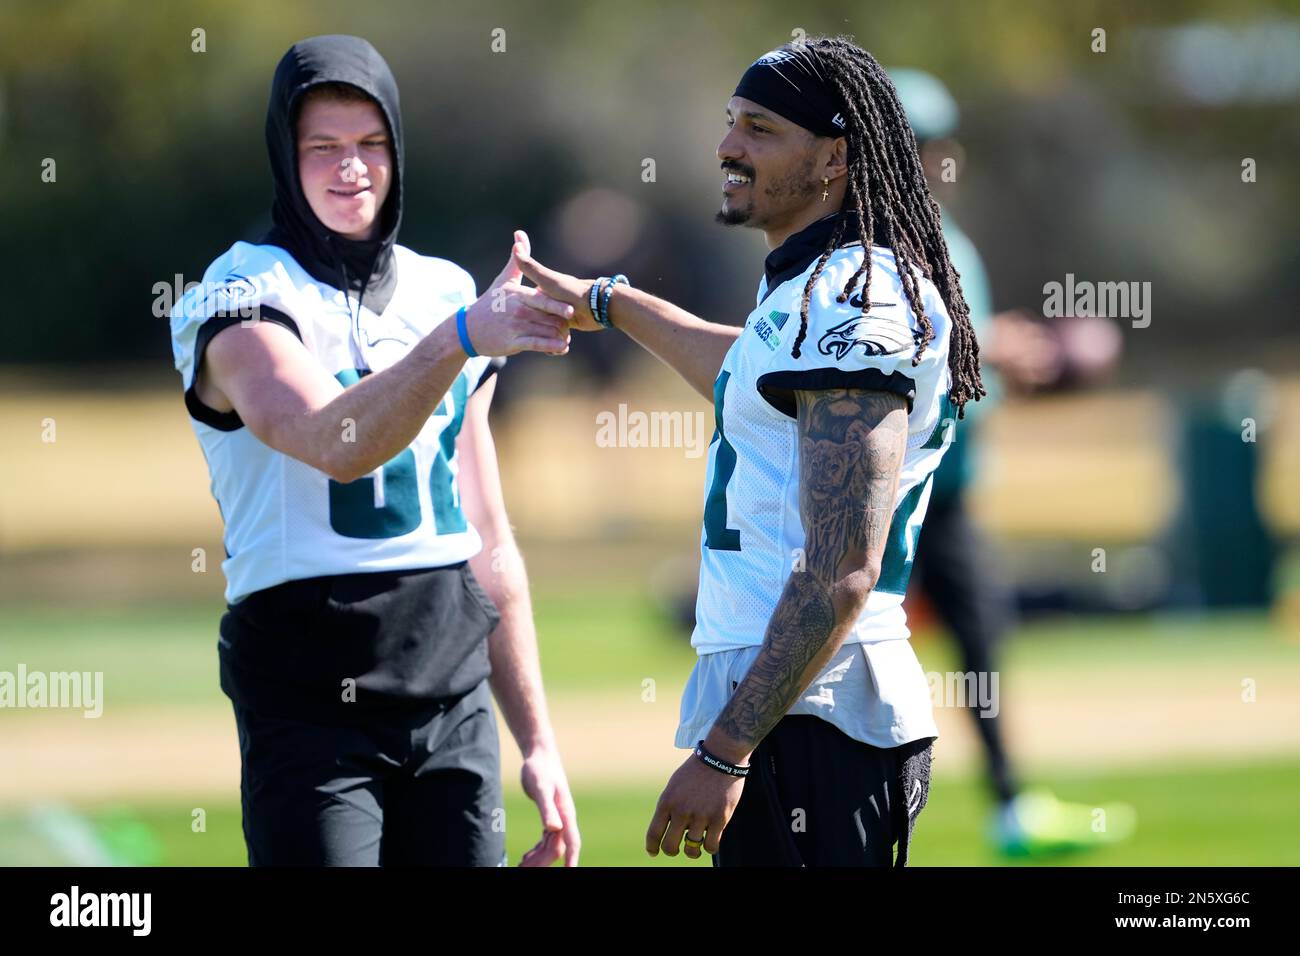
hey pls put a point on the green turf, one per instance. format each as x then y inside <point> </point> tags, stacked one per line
<point>1193,816</point>
<point>609,639</point>
<point>155,656</point>
<point>150,656</point>
<point>1226,815</point>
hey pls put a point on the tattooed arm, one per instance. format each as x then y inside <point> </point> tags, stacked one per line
<point>851,447</point>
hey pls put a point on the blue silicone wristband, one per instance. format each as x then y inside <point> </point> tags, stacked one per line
<point>463,332</point>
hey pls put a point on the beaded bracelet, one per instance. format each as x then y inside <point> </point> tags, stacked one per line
<point>606,294</point>
<point>592,295</point>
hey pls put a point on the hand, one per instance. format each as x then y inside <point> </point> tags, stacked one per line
<point>698,800</point>
<point>544,781</point>
<point>1025,351</point>
<point>511,318</point>
<point>564,288</point>
<point>1090,348</point>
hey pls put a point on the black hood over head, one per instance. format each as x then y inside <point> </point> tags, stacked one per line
<point>364,268</point>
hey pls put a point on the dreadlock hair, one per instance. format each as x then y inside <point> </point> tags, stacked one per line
<point>886,188</point>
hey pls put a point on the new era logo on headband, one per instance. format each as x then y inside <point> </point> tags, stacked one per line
<point>776,56</point>
<point>792,84</point>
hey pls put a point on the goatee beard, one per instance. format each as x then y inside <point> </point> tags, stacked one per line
<point>733,217</point>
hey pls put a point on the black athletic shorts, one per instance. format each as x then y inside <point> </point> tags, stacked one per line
<point>366,728</point>
<point>817,797</point>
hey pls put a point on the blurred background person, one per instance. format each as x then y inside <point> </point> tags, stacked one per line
<point>954,567</point>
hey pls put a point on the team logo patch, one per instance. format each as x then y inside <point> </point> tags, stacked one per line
<point>876,336</point>
<point>241,286</point>
<point>767,326</point>
<point>234,295</point>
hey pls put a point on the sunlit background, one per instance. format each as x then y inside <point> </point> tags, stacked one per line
<point>1147,521</point>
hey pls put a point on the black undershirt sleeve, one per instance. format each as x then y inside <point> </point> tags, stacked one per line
<point>225,421</point>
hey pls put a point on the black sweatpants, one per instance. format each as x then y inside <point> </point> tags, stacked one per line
<point>422,789</point>
<point>817,797</point>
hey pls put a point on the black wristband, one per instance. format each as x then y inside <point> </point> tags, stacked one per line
<point>718,764</point>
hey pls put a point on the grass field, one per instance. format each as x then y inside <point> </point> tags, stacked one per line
<point>1237,816</point>
<point>1205,801</point>
<point>164,655</point>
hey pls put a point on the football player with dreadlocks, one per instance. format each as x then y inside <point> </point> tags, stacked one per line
<point>808,712</point>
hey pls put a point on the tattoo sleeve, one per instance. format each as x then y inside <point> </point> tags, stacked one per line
<point>851,448</point>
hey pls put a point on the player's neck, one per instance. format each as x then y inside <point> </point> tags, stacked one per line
<point>776,235</point>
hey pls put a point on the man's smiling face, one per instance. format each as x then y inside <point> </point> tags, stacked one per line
<point>769,165</point>
<point>345,163</point>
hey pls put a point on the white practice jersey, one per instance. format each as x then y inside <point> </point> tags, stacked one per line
<point>285,520</point>
<point>753,536</point>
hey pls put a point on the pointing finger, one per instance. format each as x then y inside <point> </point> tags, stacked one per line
<point>538,301</point>
<point>533,269</point>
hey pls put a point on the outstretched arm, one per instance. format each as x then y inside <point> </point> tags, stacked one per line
<point>689,345</point>
<point>291,403</point>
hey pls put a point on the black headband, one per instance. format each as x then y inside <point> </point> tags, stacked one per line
<point>790,82</point>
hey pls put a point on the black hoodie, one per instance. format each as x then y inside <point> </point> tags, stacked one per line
<point>364,268</point>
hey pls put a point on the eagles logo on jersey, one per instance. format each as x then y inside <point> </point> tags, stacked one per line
<point>752,537</point>
<point>875,336</point>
